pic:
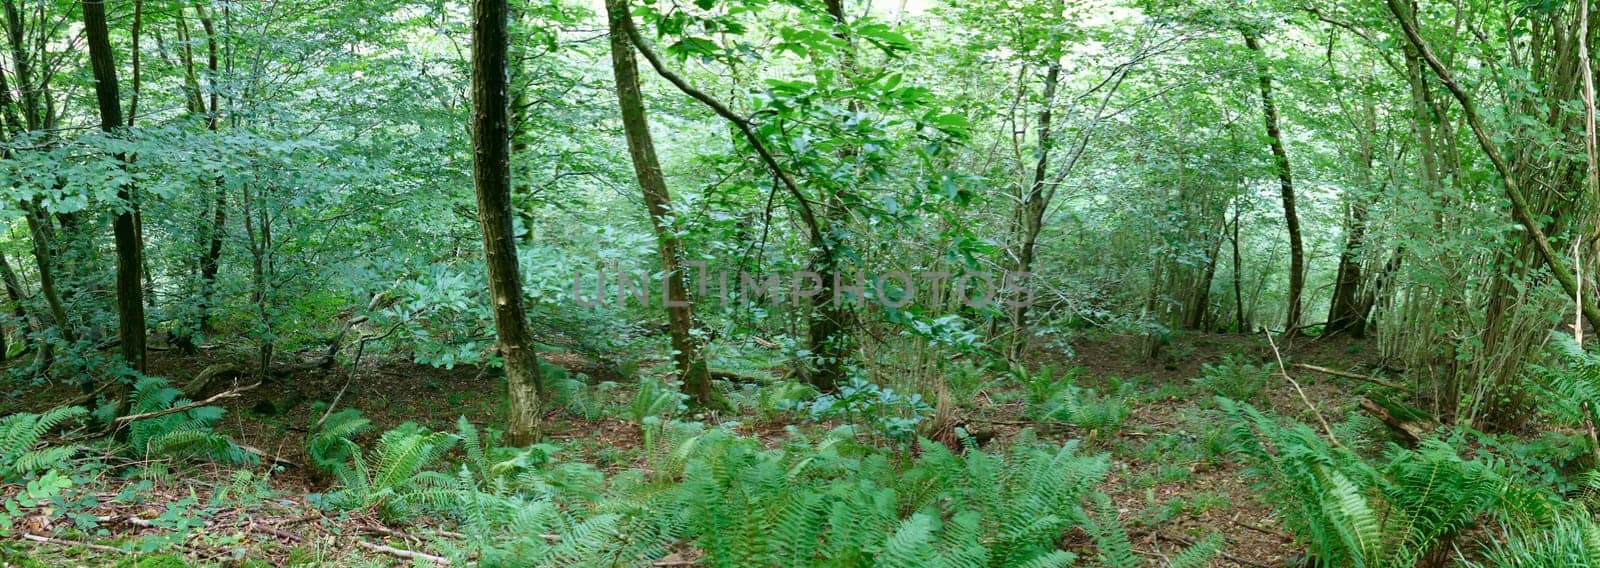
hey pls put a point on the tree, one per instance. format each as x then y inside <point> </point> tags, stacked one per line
<point>491,175</point>
<point>1280,158</point>
<point>687,353</point>
<point>129,243</point>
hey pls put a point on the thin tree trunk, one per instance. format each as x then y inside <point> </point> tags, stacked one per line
<point>691,362</point>
<point>1291,219</point>
<point>1031,208</point>
<point>130,249</point>
<point>19,305</point>
<point>1238,277</point>
<point>491,173</point>
<point>214,228</point>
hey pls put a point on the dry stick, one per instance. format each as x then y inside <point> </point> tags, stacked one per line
<point>355,364</point>
<point>403,553</point>
<point>1303,398</point>
<point>1348,375</point>
<point>63,542</point>
<point>230,393</point>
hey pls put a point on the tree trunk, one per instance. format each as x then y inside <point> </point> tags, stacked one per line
<point>213,228</point>
<point>1345,313</point>
<point>491,174</point>
<point>19,305</point>
<point>1242,325</point>
<point>1031,208</point>
<point>1291,219</point>
<point>691,363</point>
<point>129,245</point>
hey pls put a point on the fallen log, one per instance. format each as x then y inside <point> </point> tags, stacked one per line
<point>1349,375</point>
<point>1409,427</point>
<point>202,382</point>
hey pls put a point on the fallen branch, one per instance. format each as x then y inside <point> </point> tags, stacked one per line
<point>202,381</point>
<point>275,532</point>
<point>737,377</point>
<point>403,553</point>
<point>1411,430</point>
<point>1303,398</point>
<point>64,542</point>
<point>266,456</point>
<point>230,393</point>
<point>1349,375</point>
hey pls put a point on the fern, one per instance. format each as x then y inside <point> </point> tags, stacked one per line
<point>20,433</point>
<point>1353,513</point>
<point>393,479</point>
<point>186,433</point>
<point>328,448</point>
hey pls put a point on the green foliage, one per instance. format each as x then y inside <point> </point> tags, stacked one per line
<point>20,453</point>
<point>329,446</point>
<point>184,433</point>
<point>886,413</point>
<point>1354,513</point>
<point>1572,540</point>
<point>1235,378</point>
<point>655,399</point>
<point>392,479</point>
<point>1099,416</point>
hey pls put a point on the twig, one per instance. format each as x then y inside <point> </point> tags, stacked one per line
<point>403,553</point>
<point>266,456</point>
<point>63,542</point>
<point>361,347</point>
<point>230,393</point>
<point>1348,375</point>
<point>1303,398</point>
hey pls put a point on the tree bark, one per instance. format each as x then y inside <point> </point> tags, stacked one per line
<point>129,245</point>
<point>1345,313</point>
<point>1031,208</point>
<point>213,228</point>
<point>1280,155</point>
<point>1238,277</point>
<point>687,353</point>
<point>491,173</point>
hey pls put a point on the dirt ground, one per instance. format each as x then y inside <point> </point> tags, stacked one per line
<point>1167,498</point>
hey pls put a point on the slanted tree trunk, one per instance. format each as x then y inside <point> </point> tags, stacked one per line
<point>491,175</point>
<point>691,362</point>
<point>1280,156</point>
<point>129,245</point>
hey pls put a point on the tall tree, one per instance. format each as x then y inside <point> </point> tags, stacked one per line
<point>491,175</point>
<point>1280,158</point>
<point>129,244</point>
<point>687,352</point>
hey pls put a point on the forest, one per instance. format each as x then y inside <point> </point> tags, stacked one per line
<point>834,283</point>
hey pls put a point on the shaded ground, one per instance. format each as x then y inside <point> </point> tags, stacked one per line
<point>1171,482</point>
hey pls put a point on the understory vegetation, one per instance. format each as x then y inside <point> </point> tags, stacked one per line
<point>729,283</point>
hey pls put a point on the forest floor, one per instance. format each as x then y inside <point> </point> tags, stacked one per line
<point>1172,481</point>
